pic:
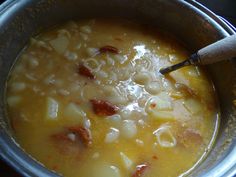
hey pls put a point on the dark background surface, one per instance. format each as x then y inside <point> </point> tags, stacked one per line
<point>224,8</point>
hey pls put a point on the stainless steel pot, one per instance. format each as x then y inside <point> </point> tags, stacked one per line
<point>192,23</point>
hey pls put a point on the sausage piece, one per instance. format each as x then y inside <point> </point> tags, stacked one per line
<point>84,71</point>
<point>140,170</point>
<point>103,108</point>
<point>109,48</point>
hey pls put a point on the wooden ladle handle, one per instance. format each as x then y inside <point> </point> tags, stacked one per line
<point>221,50</point>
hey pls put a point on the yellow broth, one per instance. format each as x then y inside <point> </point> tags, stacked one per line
<point>163,123</point>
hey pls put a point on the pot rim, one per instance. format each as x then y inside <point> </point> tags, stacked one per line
<point>15,156</point>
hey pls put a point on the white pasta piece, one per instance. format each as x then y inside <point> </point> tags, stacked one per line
<point>31,77</point>
<point>113,77</point>
<point>110,90</point>
<point>84,36</point>
<point>167,85</point>
<point>78,46</point>
<point>71,136</point>
<point>120,58</point>
<point>129,129</point>
<point>172,58</point>
<point>193,72</point>
<point>41,44</point>
<point>133,112</point>
<point>60,44</point>
<point>116,119</point>
<point>142,123</point>
<point>103,62</point>
<point>193,106</point>
<point>92,64</point>
<point>71,56</point>
<point>125,73</point>
<point>52,109</point>
<point>113,95</point>
<point>96,155</point>
<point>44,45</point>
<point>63,92</point>
<point>33,62</point>
<point>176,95</point>
<point>64,32</point>
<point>125,113</point>
<point>160,107</point>
<point>143,100</point>
<point>74,87</point>
<point>92,52</point>
<point>153,87</point>
<point>50,79</point>
<point>143,64</point>
<point>18,86</point>
<point>164,115</point>
<point>87,123</point>
<point>85,29</point>
<point>101,74</point>
<point>98,82</point>
<point>131,97</point>
<point>112,135</point>
<point>36,89</point>
<point>105,170</point>
<point>142,78</point>
<point>164,137</point>
<point>162,101</point>
<point>139,142</point>
<point>140,51</point>
<point>73,111</point>
<point>127,162</point>
<point>13,100</point>
<point>110,60</point>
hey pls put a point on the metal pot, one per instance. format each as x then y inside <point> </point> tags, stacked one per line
<point>191,22</point>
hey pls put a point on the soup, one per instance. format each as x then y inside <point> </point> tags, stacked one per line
<point>87,99</point>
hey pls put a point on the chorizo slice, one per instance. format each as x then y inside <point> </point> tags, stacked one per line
<point>140,170</point>
<point>109,48</point>
<point>103,108</point>
<point>84,71</point>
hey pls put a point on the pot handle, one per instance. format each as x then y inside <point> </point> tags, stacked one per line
<point>227,23</point>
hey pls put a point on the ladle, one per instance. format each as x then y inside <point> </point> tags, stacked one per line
<point>221,50</point>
